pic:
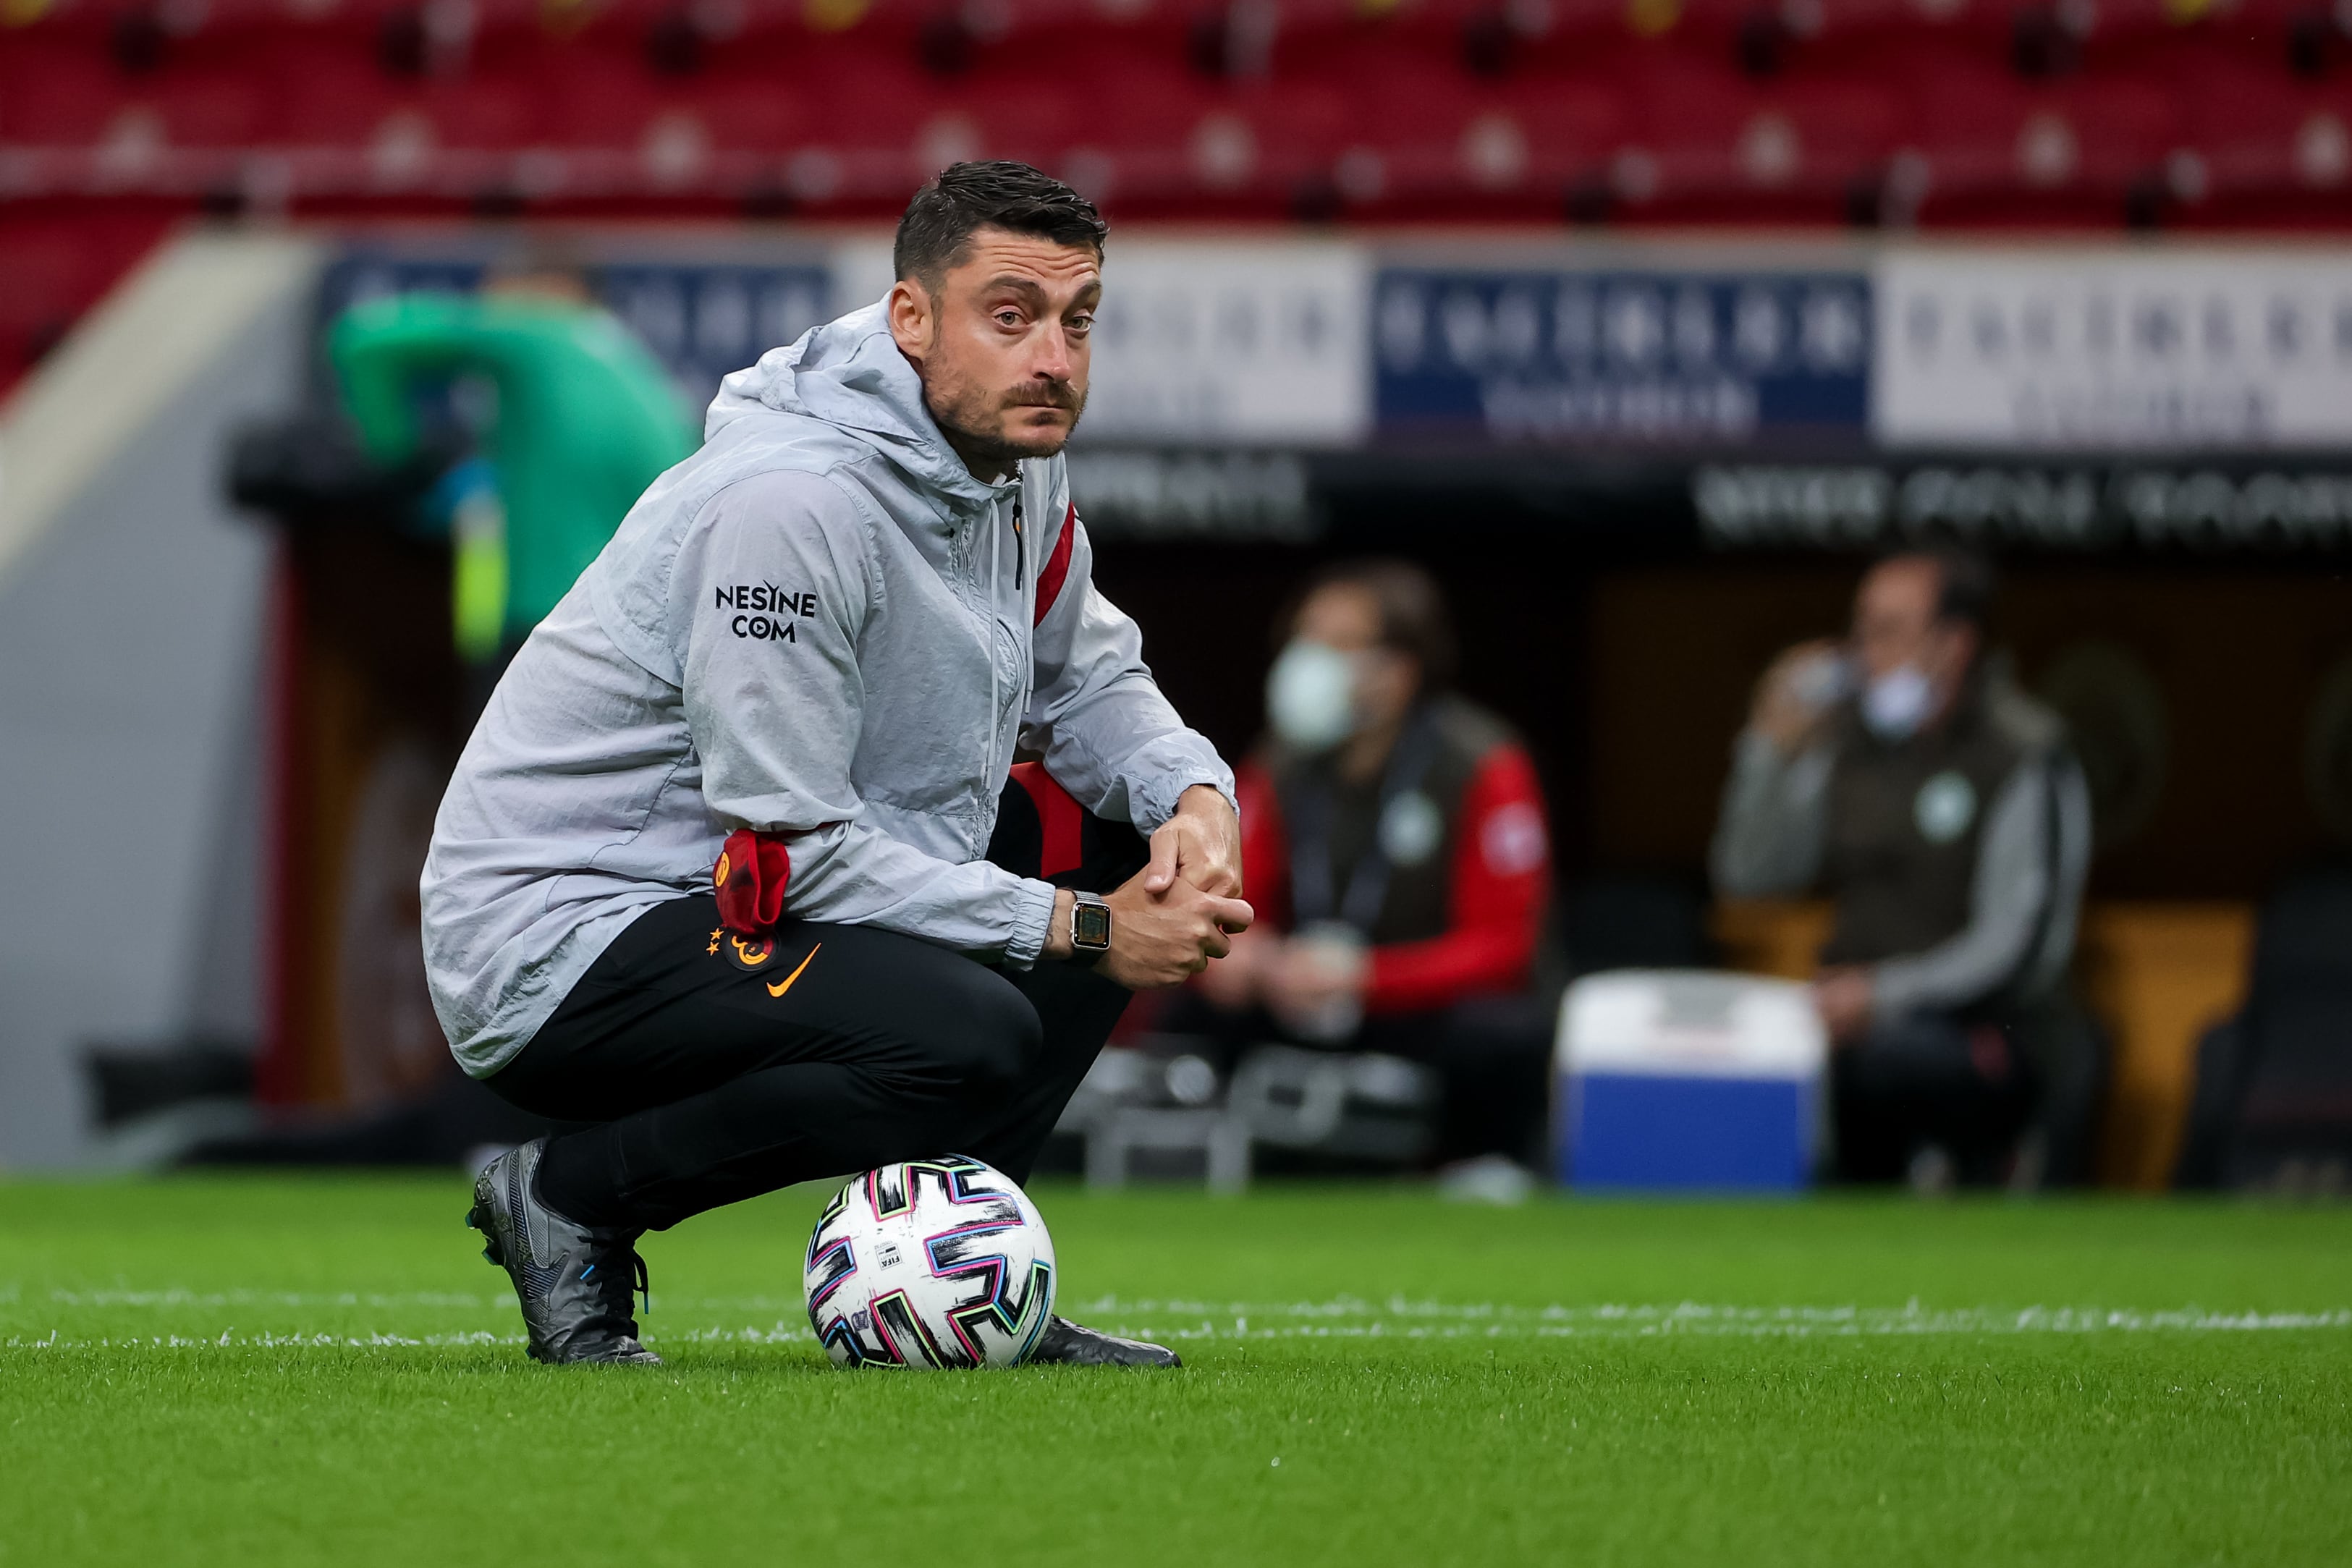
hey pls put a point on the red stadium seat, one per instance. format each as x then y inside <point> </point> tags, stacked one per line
<point>997,36</point>
<point>1418,137</point>
<point>1708,142</point>
<point>215,107</point>
<point>1302,130</point>
<point>2263,148</point>
<point>871,106</point>
<point>1371,123</point>
<point>1138,148</point>
<point>58,92</point>
<point>756,115</point>
<point>330,94</point>
<point>1761,110</point>
<point>482,112</point>
<point>1573,125</point>
<point>2002,149</point>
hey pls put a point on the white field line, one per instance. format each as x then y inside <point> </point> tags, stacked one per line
<point>1344,1317</point>
<point>1401,1317</point>
<point>183,1298</point>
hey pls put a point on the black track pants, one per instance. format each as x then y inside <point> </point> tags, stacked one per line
<point>1928,1077</point>
<point>848,1047</point>
<point>844,1048</point>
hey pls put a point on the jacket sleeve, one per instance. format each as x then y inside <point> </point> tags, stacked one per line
<point>1096,716</point>
<point>773,585</point>
<point>1501,882</point>
<point>1266,846</point>
<point>380,348</point>
<point>2026,878</point>
<point>1768,836</point>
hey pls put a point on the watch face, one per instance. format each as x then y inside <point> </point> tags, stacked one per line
<point>1090,926</point>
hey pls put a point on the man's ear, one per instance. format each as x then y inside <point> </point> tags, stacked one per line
<point>911,319</point>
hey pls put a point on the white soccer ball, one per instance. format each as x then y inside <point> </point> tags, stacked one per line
<point>940,1262</point>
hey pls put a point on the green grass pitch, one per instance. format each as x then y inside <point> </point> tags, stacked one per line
<point>318,1371</point>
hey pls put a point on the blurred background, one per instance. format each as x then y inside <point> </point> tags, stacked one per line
<point>1641,325</point>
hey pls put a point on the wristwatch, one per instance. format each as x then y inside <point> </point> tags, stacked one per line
<point>1090,925</point>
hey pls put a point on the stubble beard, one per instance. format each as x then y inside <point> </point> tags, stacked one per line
<point>972,419</point>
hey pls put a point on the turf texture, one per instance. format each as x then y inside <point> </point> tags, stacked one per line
<point>320,1370</point>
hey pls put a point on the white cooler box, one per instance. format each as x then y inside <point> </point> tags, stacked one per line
<point>1688,1079</point>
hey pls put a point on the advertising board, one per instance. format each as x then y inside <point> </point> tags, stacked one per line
<point>2113,349</point>
<point>1269,345</point>
<point>1568,356</point>
<point>702,319</point>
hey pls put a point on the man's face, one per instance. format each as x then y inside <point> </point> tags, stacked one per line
<point>1002,345</point>
<point>1896,623</point>
<point>1346,616</point>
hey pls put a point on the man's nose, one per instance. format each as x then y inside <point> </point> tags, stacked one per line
<point>1050,358</point>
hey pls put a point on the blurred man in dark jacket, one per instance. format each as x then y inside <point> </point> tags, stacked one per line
<point>1905,776</point>
<point>1394,845</point>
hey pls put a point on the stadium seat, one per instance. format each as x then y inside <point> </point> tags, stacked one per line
<point>1000,35</point>
<point>1572,125</point>
<point>211,107</point>
<point>1872,34</point>
<point>1770,111</point>
<point>1370,125</point>
<point>484,111</point>
<point>2003,150</point>
<point>330,94</point>
<point>1419,139</point>
<point>56,92</point>
<point>875,122</point>
<point>2265,144</point>
<point>2274,1093</point>
<point>1138,148</point>
<point>1712,142</point>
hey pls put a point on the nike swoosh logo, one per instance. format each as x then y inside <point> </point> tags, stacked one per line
<point>781,986</point>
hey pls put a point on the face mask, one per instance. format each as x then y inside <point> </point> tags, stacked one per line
<point>1895,705</point>
<point>1310,697</point>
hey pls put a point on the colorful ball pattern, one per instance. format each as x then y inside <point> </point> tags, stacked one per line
<point>930,1264</point>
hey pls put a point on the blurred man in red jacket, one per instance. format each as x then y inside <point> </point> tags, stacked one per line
<point>1393,842</point>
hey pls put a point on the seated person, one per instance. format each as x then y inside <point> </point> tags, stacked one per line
<point>1394,843</point>
<point>1940,809</point>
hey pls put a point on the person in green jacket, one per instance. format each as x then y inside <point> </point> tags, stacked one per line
<point>585,419</point>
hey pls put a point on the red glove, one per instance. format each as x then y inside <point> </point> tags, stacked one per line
<point>751,877</point>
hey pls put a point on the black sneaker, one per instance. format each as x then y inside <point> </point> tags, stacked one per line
<point>1066,1343</point>
<point>577,1286</point>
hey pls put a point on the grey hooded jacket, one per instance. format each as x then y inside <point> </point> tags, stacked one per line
<point>820,625</point>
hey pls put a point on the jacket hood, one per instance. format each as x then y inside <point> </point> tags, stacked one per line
<point>849,374</point>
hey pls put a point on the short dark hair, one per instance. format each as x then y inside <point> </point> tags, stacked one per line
<point>1414,620</point>
<point>935,232</point>
<point>1965,583</point>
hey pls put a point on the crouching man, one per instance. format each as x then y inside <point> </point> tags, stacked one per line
<point>711,877</point>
